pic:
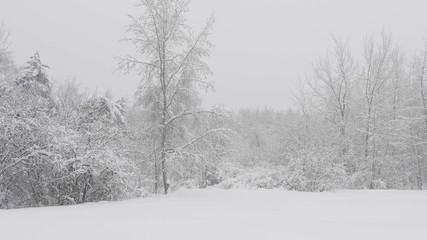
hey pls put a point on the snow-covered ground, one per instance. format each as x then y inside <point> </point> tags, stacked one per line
<point>230,214</point>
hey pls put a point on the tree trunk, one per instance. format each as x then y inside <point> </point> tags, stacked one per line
<point>164,115</point>
<point>156,176</point>
<point>164,167</point>
<point>367,140</point>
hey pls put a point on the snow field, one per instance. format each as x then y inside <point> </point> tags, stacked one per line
<point>230,214</point>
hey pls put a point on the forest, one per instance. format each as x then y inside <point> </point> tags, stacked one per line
<point>357,122</point>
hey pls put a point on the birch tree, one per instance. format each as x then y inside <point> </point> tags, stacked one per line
<point>332,83</point>
<point>170,64</point>
<point>376,73</point>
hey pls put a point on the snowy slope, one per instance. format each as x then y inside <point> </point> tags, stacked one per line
<point>232,214</point>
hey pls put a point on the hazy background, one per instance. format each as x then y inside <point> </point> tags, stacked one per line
<point>261,47</point>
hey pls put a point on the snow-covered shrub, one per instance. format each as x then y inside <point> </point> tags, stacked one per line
<point>3,199</point>
<point>356,181</point>
<point>33,144</point>
<point>47,158</point>
<point>305,171</point>
<point>378,184</point>
<point>105,172</point>
<point>253,178</point>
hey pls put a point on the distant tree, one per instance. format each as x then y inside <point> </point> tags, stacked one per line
<point>6,61</point>
<point>69,97</point>
<point>419,71</point>
<point>419,78</point>
<point>377,72</point>
<point>34,77</point>
<point>101,167</point>
<point>332,82</point>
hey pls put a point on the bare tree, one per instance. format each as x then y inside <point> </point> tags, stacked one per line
<point>377,71</point>
<point>4,38</point>
<point>6,62</point>
<point>398,75</point>
<point>172,71</point>
<point>419,75</point>
<point>419,69</point>
<point>303,101</point>
<point>332,82</point>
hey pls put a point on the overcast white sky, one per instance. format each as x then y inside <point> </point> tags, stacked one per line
<point>261,46</point>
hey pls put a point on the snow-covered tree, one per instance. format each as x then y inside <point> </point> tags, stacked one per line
<point>103,172</point>
<point>32,144</point>
<point>6,62</point>
<point>173,71</point>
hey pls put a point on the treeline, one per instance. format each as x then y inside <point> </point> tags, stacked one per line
<point>356,123</point>
<point>372,110</point>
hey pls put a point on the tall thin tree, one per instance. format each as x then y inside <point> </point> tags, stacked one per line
<point>170,63</point>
